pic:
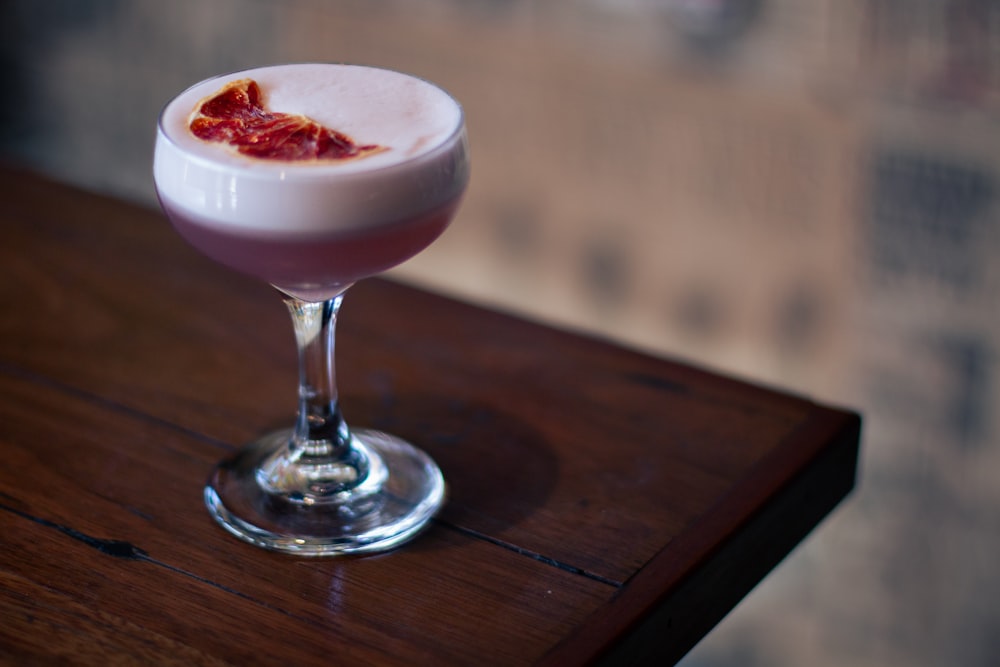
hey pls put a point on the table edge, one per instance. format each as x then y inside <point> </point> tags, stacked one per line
<point>661,601</point>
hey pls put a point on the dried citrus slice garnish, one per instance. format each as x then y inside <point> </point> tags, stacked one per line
<point>236,116</point>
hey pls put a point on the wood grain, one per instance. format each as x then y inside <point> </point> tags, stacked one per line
<point>603,504</point>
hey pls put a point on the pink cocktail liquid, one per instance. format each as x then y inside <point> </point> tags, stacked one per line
<point>313,228</point>
<point>315,265</point>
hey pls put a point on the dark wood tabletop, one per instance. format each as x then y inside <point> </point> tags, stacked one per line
<point>603,505</point>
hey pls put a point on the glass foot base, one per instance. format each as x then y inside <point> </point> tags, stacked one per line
<point>371,517</point>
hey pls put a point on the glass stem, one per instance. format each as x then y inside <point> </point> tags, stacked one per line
<point>321,446</point>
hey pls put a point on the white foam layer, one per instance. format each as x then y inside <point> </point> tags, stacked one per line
<point>422,127</point>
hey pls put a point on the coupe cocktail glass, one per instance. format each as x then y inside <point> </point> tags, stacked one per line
<point>311,228</point>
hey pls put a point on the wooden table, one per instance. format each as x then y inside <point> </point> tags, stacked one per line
<point>603,505</point>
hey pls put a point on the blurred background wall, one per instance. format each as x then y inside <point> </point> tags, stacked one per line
<point>801,193</point>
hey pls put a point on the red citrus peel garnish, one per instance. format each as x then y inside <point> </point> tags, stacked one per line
<point>236,116</point>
